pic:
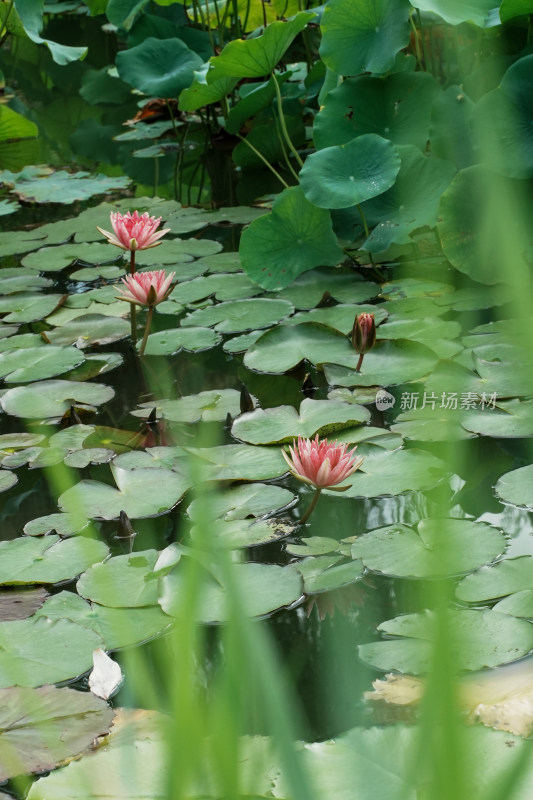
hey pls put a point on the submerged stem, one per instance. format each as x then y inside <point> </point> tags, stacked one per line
<point>133,314</point>
<point>312,505</point>
<point>146,330</point>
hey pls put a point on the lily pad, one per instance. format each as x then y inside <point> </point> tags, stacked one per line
<point>454,12</point>
<point>283,423</point>
<point>264,587</point>
<point>53,398</point>
<point>28,306</point>
<point>489,583</point>
<point>514,487</point>
<point>325,574</point>
<point>240,502</point>
<point>210,406</point>
<point>518,604</point>
<point>141,493</point>
<point>480,639</point>
<point>40,728</point>
<point>55,259</point>
<point>62,187</point>
<point>48,559</point>
<point>348,174</point>
<point>239,533</point>
<point>513,418</point>
<point>240,315</point>
<point>62,524</point>
<point>89,330</point>
<point>36,651</point>
<point>122,581</point>
<point>7,480</point>
<point>440,547</point>
<point>342,284</point>
<point>340,317</point>
<point>282,348</point>
<point>389,362</point>
<point>36,363</point>
<point>20,603</point>
<point>222,286</point>
<point>165,343</point>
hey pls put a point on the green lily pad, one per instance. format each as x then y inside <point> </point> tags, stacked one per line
<point>48,559</point>
<point>513,418</point>
<point>428,425</point>
<point>62,187</point>
<point>514,487</point>
<point>66,314</point>
<point>7,480</point>
<point>141,493</point>
<point>21,281</point>
<point>172,252</point>
<point>257,57</point>
<point>340,317</point>
<point>480,639</point>
<point>165,343</point>
<point>386,473</point>
<point>96,273</point>
<point>28,306</point>
<point>55,259</point>
<point>34,651</point>
<point>240,502</point>
<point>283,423</point>
<point>489,583</point>
<point>89,330</point>
<point>518,604</point>
<point>240,315</point>
<point>454,12</point>
<point>440,547</point>
<point>363,35</point>
<point>20,603</point>
<point>210,406</point>
<point>21,341</point>
<point>348,174</point>
<point>36,363</point>
<point>450,134</point>
<point>53,398</point>
<point>239,533</point>
<point>389,362</point>
<point>222,286</point>
<point>34,457</point>
<point>314,546</point>
<point>396,107</point>
<point>283,347</point>
<point>264,587</point>
<point>58,724</point>
<point>159,67</point>
<point>122,581</point>
<point>62,524</point>
<point>295,237</point>
<point>411,203</point>
<point>238,344</point>
<point>118,627</point>
<point>325,574</point>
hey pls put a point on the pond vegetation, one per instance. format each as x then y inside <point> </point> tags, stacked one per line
<point>267,400</point>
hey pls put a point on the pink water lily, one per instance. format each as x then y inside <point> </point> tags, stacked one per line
<point>146,288</point>
<point>134,231</point>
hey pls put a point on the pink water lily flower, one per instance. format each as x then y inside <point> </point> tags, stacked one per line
<point>134,231</point>
<point>322,464</point>
<point>147,288</point>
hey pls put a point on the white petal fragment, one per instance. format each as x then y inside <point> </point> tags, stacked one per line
<point>106,676</point>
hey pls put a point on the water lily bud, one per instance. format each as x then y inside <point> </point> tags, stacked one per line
<point>364,333</point>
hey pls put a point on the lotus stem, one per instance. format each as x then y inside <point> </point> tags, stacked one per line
<point>133,314</point>
<point>282,122</point>
<point>359,363</point>
<point>146,330</point>
<point>312,505</point>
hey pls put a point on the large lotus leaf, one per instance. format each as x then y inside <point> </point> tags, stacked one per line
<point>40,728</point>
<point>35,651</point>
<point>20,603</point>
<point>509,9</point>
<point>344,285</point>
<point>515,421</point>
<point>141,493</point>
<point>450,133</point>
<point>200,94</point>
<point>386,473</point>
<point>165,343</point>
<point>89,330</point>
<point>159,67</point>
<point>466,218</point>
<point>396,107</point>
<point>47,559</point>
<point>363,35</point>
<point>257,57</point>
<point>514,487</point>
<point>228,462</point>
<point>295,237</point>
<point>119,627</point>
<point>259,96</point>
<point>264,588</point>
<point>53,398</point>
<point>63,187</point>
<point>122,581</point>
<point>36,363</point>
<point>389,362</point>
<point>30,16</point>
<point>211,406</point>
<point>411,203</point>
<point>282,423</point>
<point>325,574</point>
<point>54,259</point>
<point>264,140</point>
<point>239,502</point>
<point>440,547</point>
<point>282,348</point>
<point>454,12</point>
<point>348,174</point>
<point>340,317</point>
<point>232,286</point>
<point>239,533</point>
<point>28,306</point>
<point>479,639</point>
<point>7,480</point>
<point>489,583</point>
<point>240,315</point>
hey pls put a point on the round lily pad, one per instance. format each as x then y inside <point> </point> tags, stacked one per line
<point>348,174</point>
<point>282,348</point>
<point>342,284</point>
<point>513,418</point>
<point>88,330</point>
<point>53,398</point>
<point>282,423</point>
<point>48,559</point>
<point>489,583</point>
<point>389,362</point>
<point>514,487</point>
<point>62,524</point>
<point>438,548</point>
<point>36,363</point>
<point>240,315</point>
<point>54,259</point>
<point>20,603</point>
<point>122,581</point>
<point>28,306</point>
<point>325,574</point>
<point>479,639</point>
<point>7,480</point>
<point>239,533</point>
<point>239,502</point>
<point>165,343</point>
<point>222,286</point>
<point>340,317</point>
<point>264,588</point>
<point>211,406</point>
<point>518,604</point>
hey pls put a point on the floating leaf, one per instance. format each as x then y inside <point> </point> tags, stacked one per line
<point>489,583</point>
<point>348,174</point>
<point>36,363</point>
<point>210,406</point>
<point>20,603</point>
<point>389,362</point>
<point>515,421</point>
<point>55,259</point>
<point>63,187</point>
<point>7,480</point>
<point>28,306</point>
<point>282,348</point>
<point>62,524</point>
<point>514,487</point>
<point>53,398</point>
<point>47,559</point>
<point>89,330</point>
<point>342,284</point>
<point>283,423</point>
<point>439,547</point>
<point>240,315</point>
<point>40,728</point>
<point>325,574</point>
<point>340,317</point>
<point>239,502</point>
<point>238,533</point>
<point>164,343</point>
<point>122,581</point>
